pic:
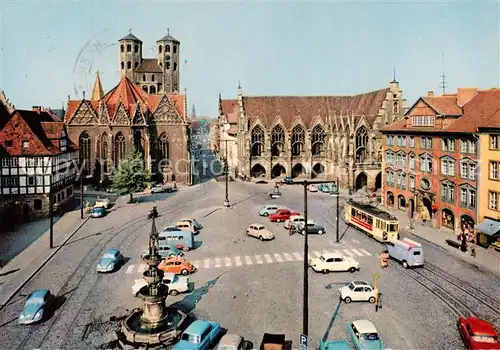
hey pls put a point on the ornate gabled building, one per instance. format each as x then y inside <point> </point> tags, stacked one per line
<point>332,136</point>
<point>108,125</point>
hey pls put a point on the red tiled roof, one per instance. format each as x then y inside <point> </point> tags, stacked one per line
<point>444,105</point>
<point>149,65</point>
<point>482,111</point>
<point>232,131</point>
<point>229,109</point>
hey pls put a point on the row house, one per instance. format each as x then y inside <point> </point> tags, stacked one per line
<point>430,159</point>
<point>38,160</point>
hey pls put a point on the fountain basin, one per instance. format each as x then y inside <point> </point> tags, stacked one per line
<point>153,260</point>
<point>150,279</point>
<point>162,292</point>
<point>136,332</point>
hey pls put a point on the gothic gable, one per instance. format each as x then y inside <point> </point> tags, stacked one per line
<point>255,122</point>
<point>277,121</point>
<point>138,117</point>
<point>121,116</point>
<point>84,115</point>
<point>166,113</point>
<point>103,114</point>
<point>297,120</point>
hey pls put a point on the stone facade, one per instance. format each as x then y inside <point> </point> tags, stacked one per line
<point>331,136</point>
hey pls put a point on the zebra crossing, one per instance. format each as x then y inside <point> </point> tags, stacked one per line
<point>258,259</point>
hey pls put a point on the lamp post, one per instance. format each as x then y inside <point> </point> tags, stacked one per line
<point>305,290</point>
<point>81,190</point>
<point>226,171</point>
<point>334,192</point>
<point>51,209</point>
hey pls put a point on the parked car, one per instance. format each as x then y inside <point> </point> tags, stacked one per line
<point>171,228</point>
<point>200,335</point>
<point>312,188</point>
<point>36,307</point>
<point>294,220</point>
<point>177,265</point>
<point>334,345</point>
<point>165,250</point>
<point>269,209</point>
<point>259,231</point>
<point>282,215</point>
<point>195,223</point>
<point>478,334</point>
<point>312,227</point>
<point>288,180</point>
<point>357,291</point>
<point>187,226</point>
<point>175,284</point>
<point>332,262</point>
<point>161,189</point>
<point>110,261</point>
<point>325,188</point>
<point>234,342</point>
<point>98,212</point>
<point>102,202</point>
<point>364,335</point>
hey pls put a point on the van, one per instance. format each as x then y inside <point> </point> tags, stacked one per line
<point>294,220</point>
<point>408,252</point>
<point>180,239</point>
<point>186,226</point>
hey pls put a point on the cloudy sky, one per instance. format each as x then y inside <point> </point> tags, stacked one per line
<point>52,49</point>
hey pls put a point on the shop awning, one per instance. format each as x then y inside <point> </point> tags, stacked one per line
<point>489,227</point>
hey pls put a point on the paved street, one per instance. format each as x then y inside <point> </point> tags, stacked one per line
<point>248,286</point>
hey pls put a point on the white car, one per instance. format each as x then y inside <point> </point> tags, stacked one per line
<point>176,284</point>
<point>102,202</point>
<point>294,219</point>
<point>357,291</point>
<point>259,231</point>
<point>330,262</point>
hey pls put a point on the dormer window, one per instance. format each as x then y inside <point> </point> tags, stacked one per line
<point>425,120</point>
<point>26,144</point>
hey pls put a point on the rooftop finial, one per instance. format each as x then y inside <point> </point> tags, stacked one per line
<point>84,95</point>
<point>394,73</point>
<point>168,31</point>
<point>239,84</point>
<point>130,30</point>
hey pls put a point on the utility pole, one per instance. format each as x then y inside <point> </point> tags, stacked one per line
<point>81,193</point>
<point>51,208</point>
<point>226,170</point>
<point>335,193</point>
<point>305,289</point>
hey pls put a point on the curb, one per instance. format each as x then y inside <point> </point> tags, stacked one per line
<point>15,291</point>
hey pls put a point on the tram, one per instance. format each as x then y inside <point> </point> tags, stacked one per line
<point>376,223</point>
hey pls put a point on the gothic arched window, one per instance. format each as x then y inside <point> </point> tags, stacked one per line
<point>144,77</point>
<point>175,66</point>
<point>257,145</point>
<point>361,144</point>
<point>318,139</point>
<point>119,148</point>
<point>145,88</point>
<point>298,140</point>
<point>167,48</point>
<point>136,64</point>
<point>103,151</point>
<point>136,48</point>
<point>129,48</point>
<point>84,155</point>
<point>152,77</point>
<point>129,65</point>
<point>160,49</point>
<point>163,149</point>
<point>168,65</point>
<point>161,65</point>
<point>175,49</point>
<point>152,89</point>
<point>122,48</point>
<point>277,141</point>
<point>123,65</point>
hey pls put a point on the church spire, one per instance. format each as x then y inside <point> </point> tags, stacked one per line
<point>193,113</point>
<point>98,92</point>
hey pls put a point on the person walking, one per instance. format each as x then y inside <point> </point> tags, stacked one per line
<point>463,245</point>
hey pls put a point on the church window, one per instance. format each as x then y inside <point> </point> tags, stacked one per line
<point>257,146</point>
<point>136,48</point>
<point>122,48</point>
<point>84,145</point>
<point>361,144</point>
<point>396,107</point>
<point>163,149</point>
<point>145,88</point>
<point>136,64</point>
<point>298,140</point>
<point>318,139</point>
<point>152,89</point>
<point>277,141</point>
<point>175,66</point>
<point>144,77</point>
<point>123,65</point>
<point>167,48</point>
<point>161,65</point>
<point>152,77</point>
<point>129,65</point>
<point>160,86</point>
<point>160,49</point>
<point>103,150</point>
<point>175,49</point>
<point>167,65</point>
<point>129,48</point>
<point>119,148</point>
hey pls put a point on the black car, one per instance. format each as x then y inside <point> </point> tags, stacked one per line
<point>312,228</point>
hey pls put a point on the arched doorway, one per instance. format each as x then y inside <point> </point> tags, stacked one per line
<point>390,199</point>
<point>361,181</point>
<point>401,202</point>
<point>278,170</point>
<point>426,212</point>
<point>378,181</point>
<point>448,219</point>
<point>298,169</point>
<point>258,170</point>
<point>411,208</point>
<point>317,170</point>
<point>467,222</point>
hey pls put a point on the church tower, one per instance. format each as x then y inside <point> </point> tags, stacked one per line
<point>168,60</point>
<point>130,55</point>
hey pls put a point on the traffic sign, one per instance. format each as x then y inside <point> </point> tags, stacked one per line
<point>303,341</point>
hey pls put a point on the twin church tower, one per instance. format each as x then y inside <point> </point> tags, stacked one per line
<point>153,75</point>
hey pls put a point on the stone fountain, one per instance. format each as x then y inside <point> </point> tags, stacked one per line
<point>153,325</point>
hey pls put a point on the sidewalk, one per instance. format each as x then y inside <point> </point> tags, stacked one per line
<point>17,272</point>
<point>485,258</point>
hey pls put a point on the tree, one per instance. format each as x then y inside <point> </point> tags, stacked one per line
<point>131,177</point>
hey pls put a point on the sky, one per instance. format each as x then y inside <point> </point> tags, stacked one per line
<point>52,49</point>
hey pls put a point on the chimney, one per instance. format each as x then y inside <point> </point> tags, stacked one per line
<point>37,109</point>
<point>430,93</point>
<point>464,95</point>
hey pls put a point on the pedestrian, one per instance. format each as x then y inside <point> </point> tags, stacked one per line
<point>463,245</point>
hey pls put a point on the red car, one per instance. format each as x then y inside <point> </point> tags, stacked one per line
<point>282,215</point>
<point>478,334</point>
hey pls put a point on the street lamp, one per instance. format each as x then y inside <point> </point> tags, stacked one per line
<point>334,192</point>
<point>305,310</point>
<point>226,171</point>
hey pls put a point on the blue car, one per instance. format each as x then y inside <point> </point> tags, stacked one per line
<point>334,345</point>
<point>98,212</point>
<point>288,180</point>
<point>364,335</point>
<point>35,307</point>
<point>200,335</point>
<point>110,261</point>
<point>269,209</point>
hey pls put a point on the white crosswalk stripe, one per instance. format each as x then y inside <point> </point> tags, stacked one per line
<point>227,262</point>
<point>356,252</point>
<point>335,252</point>
<point>367,253</point>
<point>297,256</point>
<point>318,254</point>
<point>248,261</point>
<point>288,257</point>
<point>346,251</point>
<point>196,264</point>
<point>268,258</point>
<point>217,262</point>
<point>278,258</point>
<point>237,260</point>
<point>258,259</point>
<point>207,263</point>
<point>130,269</point>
